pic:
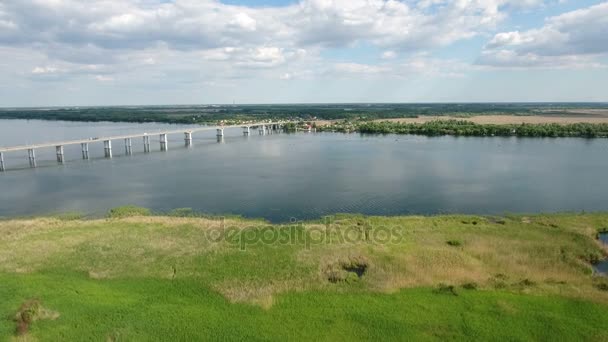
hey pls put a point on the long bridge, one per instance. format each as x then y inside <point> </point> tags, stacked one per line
<point>264,128</point>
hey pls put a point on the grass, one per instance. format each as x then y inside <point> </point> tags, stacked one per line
<point>140,277</point>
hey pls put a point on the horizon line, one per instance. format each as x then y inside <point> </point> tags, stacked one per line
<point>305,103</point>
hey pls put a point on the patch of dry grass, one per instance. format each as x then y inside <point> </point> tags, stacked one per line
<point>550,251</point>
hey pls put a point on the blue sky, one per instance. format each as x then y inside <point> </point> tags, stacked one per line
<point>122,52</point>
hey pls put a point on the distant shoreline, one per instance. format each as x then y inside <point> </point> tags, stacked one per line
<point>313,112</point>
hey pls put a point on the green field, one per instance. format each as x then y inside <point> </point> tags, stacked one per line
<point>429,278</point>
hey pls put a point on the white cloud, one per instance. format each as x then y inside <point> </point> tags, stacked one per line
<point>261,57</point>
<point>570,39</point>
<point>512,59</point>
<point>243,20</point>
<point>126,35</point>
<point>102,78</point>
<point>415,66</point>
<point>44,70</point>
<point>389,54</point>
<point>209,24</point>
<point>358,68</point>
<point>193,44</point>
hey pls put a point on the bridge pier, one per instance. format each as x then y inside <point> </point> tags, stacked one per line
<point>59,150</point>
<point>220,132</point>
<point>188,139</point>
<point>163,142</point>
<point>85,150</point>
<point>107,148</point>
<point>1,162</point>
<point>146,143</point>
<point>262,130</point>
<point>32,157</point>
<point>127,146</point>
<point>246,130</point>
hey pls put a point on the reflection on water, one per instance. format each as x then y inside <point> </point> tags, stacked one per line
<point>302,175</point>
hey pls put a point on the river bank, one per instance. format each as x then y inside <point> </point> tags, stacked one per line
<point>463,127</point>
<point>133,276</point>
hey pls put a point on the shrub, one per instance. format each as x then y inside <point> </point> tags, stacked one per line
<point>454,243</point>
<point>470,286</point>
<point>527,282</point>
<point>446,289</point>
<point>28,313</point>
<point>601,285</point>
<point>183,212</point>
<point>128,211</point>
<point>593,257</point>
<point>349,270</point>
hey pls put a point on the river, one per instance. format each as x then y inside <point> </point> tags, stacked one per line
<point>303,175</point>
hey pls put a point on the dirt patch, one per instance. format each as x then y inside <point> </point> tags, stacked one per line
<point>30,312</point>
<point>496,220</point>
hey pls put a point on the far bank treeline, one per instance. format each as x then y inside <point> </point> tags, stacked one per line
<point>189,114</point>
<point>467,128</point>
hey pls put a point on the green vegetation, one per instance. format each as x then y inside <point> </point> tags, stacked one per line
<point>241,113</point>
<point>142,277</point>
<point>467,128</point>
<point>454,243</point>
<point>128,211</point>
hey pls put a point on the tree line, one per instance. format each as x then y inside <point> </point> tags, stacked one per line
<point>467,128</point>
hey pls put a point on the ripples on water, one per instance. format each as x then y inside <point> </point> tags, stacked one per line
<point>302,175</point>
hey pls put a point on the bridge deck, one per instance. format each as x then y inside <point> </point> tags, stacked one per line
<point>119,137</point>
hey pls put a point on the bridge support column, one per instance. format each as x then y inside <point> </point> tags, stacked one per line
<point>107,148</point>
<point>246,130</point>
<point>146,143</point>
<point>220,132</point>
<point>59,150</point>
<point>188,139</point>
<point>163,142</point>
<point>32,157</point>
<point>127,146</point>
<point>1,162</point>
<point>262,130</point>
<point>85,150</point>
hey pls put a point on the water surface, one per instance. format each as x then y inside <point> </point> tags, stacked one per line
<point>303,175</point>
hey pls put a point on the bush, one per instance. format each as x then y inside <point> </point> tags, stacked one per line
<point>128,211</point>
<point>527,282</point>
<point>446,289</point>
<point>470,286</point>
<point>183,212</point>
<point>601,284</point>
<point>454,243</point>
<point>26,315</point>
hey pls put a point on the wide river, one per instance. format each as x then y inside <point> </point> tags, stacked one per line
<point>303,175</point>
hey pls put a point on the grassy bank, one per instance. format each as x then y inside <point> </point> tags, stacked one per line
<point>457,277</point>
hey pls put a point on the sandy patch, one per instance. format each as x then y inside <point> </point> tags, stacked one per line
<point>499,119</point>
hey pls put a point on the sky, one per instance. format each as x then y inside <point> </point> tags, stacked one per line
<point>161,52</point>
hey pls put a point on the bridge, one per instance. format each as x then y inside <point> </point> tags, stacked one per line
<point>264,128</point>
